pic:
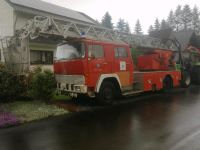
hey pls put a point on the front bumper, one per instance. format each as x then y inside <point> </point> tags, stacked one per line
<point>71,88</point>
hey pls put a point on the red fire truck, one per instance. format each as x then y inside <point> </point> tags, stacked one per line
<point>98,62</point>
<point>106,70</point>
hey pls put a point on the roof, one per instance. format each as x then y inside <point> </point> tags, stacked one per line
<point>51,8</point>
<point>161,34</point>
<point>185,37</point>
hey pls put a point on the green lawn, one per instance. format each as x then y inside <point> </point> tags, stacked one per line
<point>61,97</point>
<point>32,110</point>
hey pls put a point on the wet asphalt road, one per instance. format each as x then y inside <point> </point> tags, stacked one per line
<point>155,122</point>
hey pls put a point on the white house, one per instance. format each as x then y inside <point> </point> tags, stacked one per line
<point>15,13</point>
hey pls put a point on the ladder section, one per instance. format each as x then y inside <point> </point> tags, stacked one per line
<point>43,26</point>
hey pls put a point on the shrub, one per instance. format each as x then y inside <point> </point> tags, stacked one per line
<point>11,85</point>
<point>42,85</point>
<point>2,66</point>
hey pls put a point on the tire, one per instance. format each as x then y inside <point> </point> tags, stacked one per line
<point>196,74</point>
<point>168,84</point>
<point>186,79</point>
<point>107,93</point>
<point>80,98</point>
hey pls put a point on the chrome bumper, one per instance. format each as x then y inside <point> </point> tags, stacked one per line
<point>71,88</point>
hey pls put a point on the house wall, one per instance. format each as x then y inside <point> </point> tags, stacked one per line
<point>6,19</point>
<point>21,19</point>
<point>1,56</point>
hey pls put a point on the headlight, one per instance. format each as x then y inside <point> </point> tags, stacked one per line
<point>78,89</point>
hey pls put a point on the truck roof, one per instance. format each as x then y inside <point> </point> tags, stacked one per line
<point>98,41</point>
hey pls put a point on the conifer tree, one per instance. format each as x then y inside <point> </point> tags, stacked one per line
<point>121,25</point>
<point>164,25</point>
<point>186,17</point>
<point>170,20</point>
<point>138,27</point>
<point>195,18</point>
<point>127,27</point>
<point>177,18</point>
<point>151,29</point>
<point>157,25</point>
<point>107,21</point>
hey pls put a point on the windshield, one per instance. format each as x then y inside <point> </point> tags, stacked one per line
<point>75,50</point>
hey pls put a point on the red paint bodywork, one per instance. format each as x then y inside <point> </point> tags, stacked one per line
<point>70,67</point>
<point>92,69</point>
<point>156,78</point>
<point>158,60</point>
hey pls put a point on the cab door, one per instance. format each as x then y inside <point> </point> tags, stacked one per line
<point>96,62</point>
<point>123,65</point>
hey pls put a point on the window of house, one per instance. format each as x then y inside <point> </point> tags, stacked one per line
<point>95,51</point>
<point>120,52</point>
<point>41,57</point>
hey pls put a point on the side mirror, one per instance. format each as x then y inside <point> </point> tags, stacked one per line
<point>92,56</point>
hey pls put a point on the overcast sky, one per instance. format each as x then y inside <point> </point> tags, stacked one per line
<point>130,10</point>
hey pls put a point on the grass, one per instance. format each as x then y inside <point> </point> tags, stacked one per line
<point>61,97</point>
<point>32,110</point>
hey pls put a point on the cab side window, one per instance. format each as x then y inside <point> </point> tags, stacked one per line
<point>95,51</point>
<point>120,52</point>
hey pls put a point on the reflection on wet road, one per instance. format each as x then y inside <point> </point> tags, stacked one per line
<point>159,122</point>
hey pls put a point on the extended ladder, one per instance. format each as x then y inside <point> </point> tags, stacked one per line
<point>50,26</point>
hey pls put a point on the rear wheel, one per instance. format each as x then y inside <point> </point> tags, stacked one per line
<point>107,93</point>
<point>186,79</point>
<point>196,74</point>
<point>168,84</point>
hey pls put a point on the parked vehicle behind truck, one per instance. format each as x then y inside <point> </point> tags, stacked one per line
<point>190,65</point>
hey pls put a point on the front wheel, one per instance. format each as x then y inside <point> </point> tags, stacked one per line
<point>107,93</point>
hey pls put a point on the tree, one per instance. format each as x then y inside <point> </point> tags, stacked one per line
<point>127,27</point>
<point>121,25</point>
<point>157,25</point>
<point>177,18</point>
<point>151,29</point>
<point>107,21</point>
<point>195,18</point>
<point>164,25</point>
<point>138,27</point>
<point>186,17</point>
<point>170,20</point>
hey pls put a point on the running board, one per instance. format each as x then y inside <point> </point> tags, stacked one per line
<point>127,93</point>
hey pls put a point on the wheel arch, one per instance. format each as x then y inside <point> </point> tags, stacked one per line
<point>167,78</point>
<point>108,77</point>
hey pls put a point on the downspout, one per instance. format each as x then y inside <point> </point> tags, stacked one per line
<point>15,21</point>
